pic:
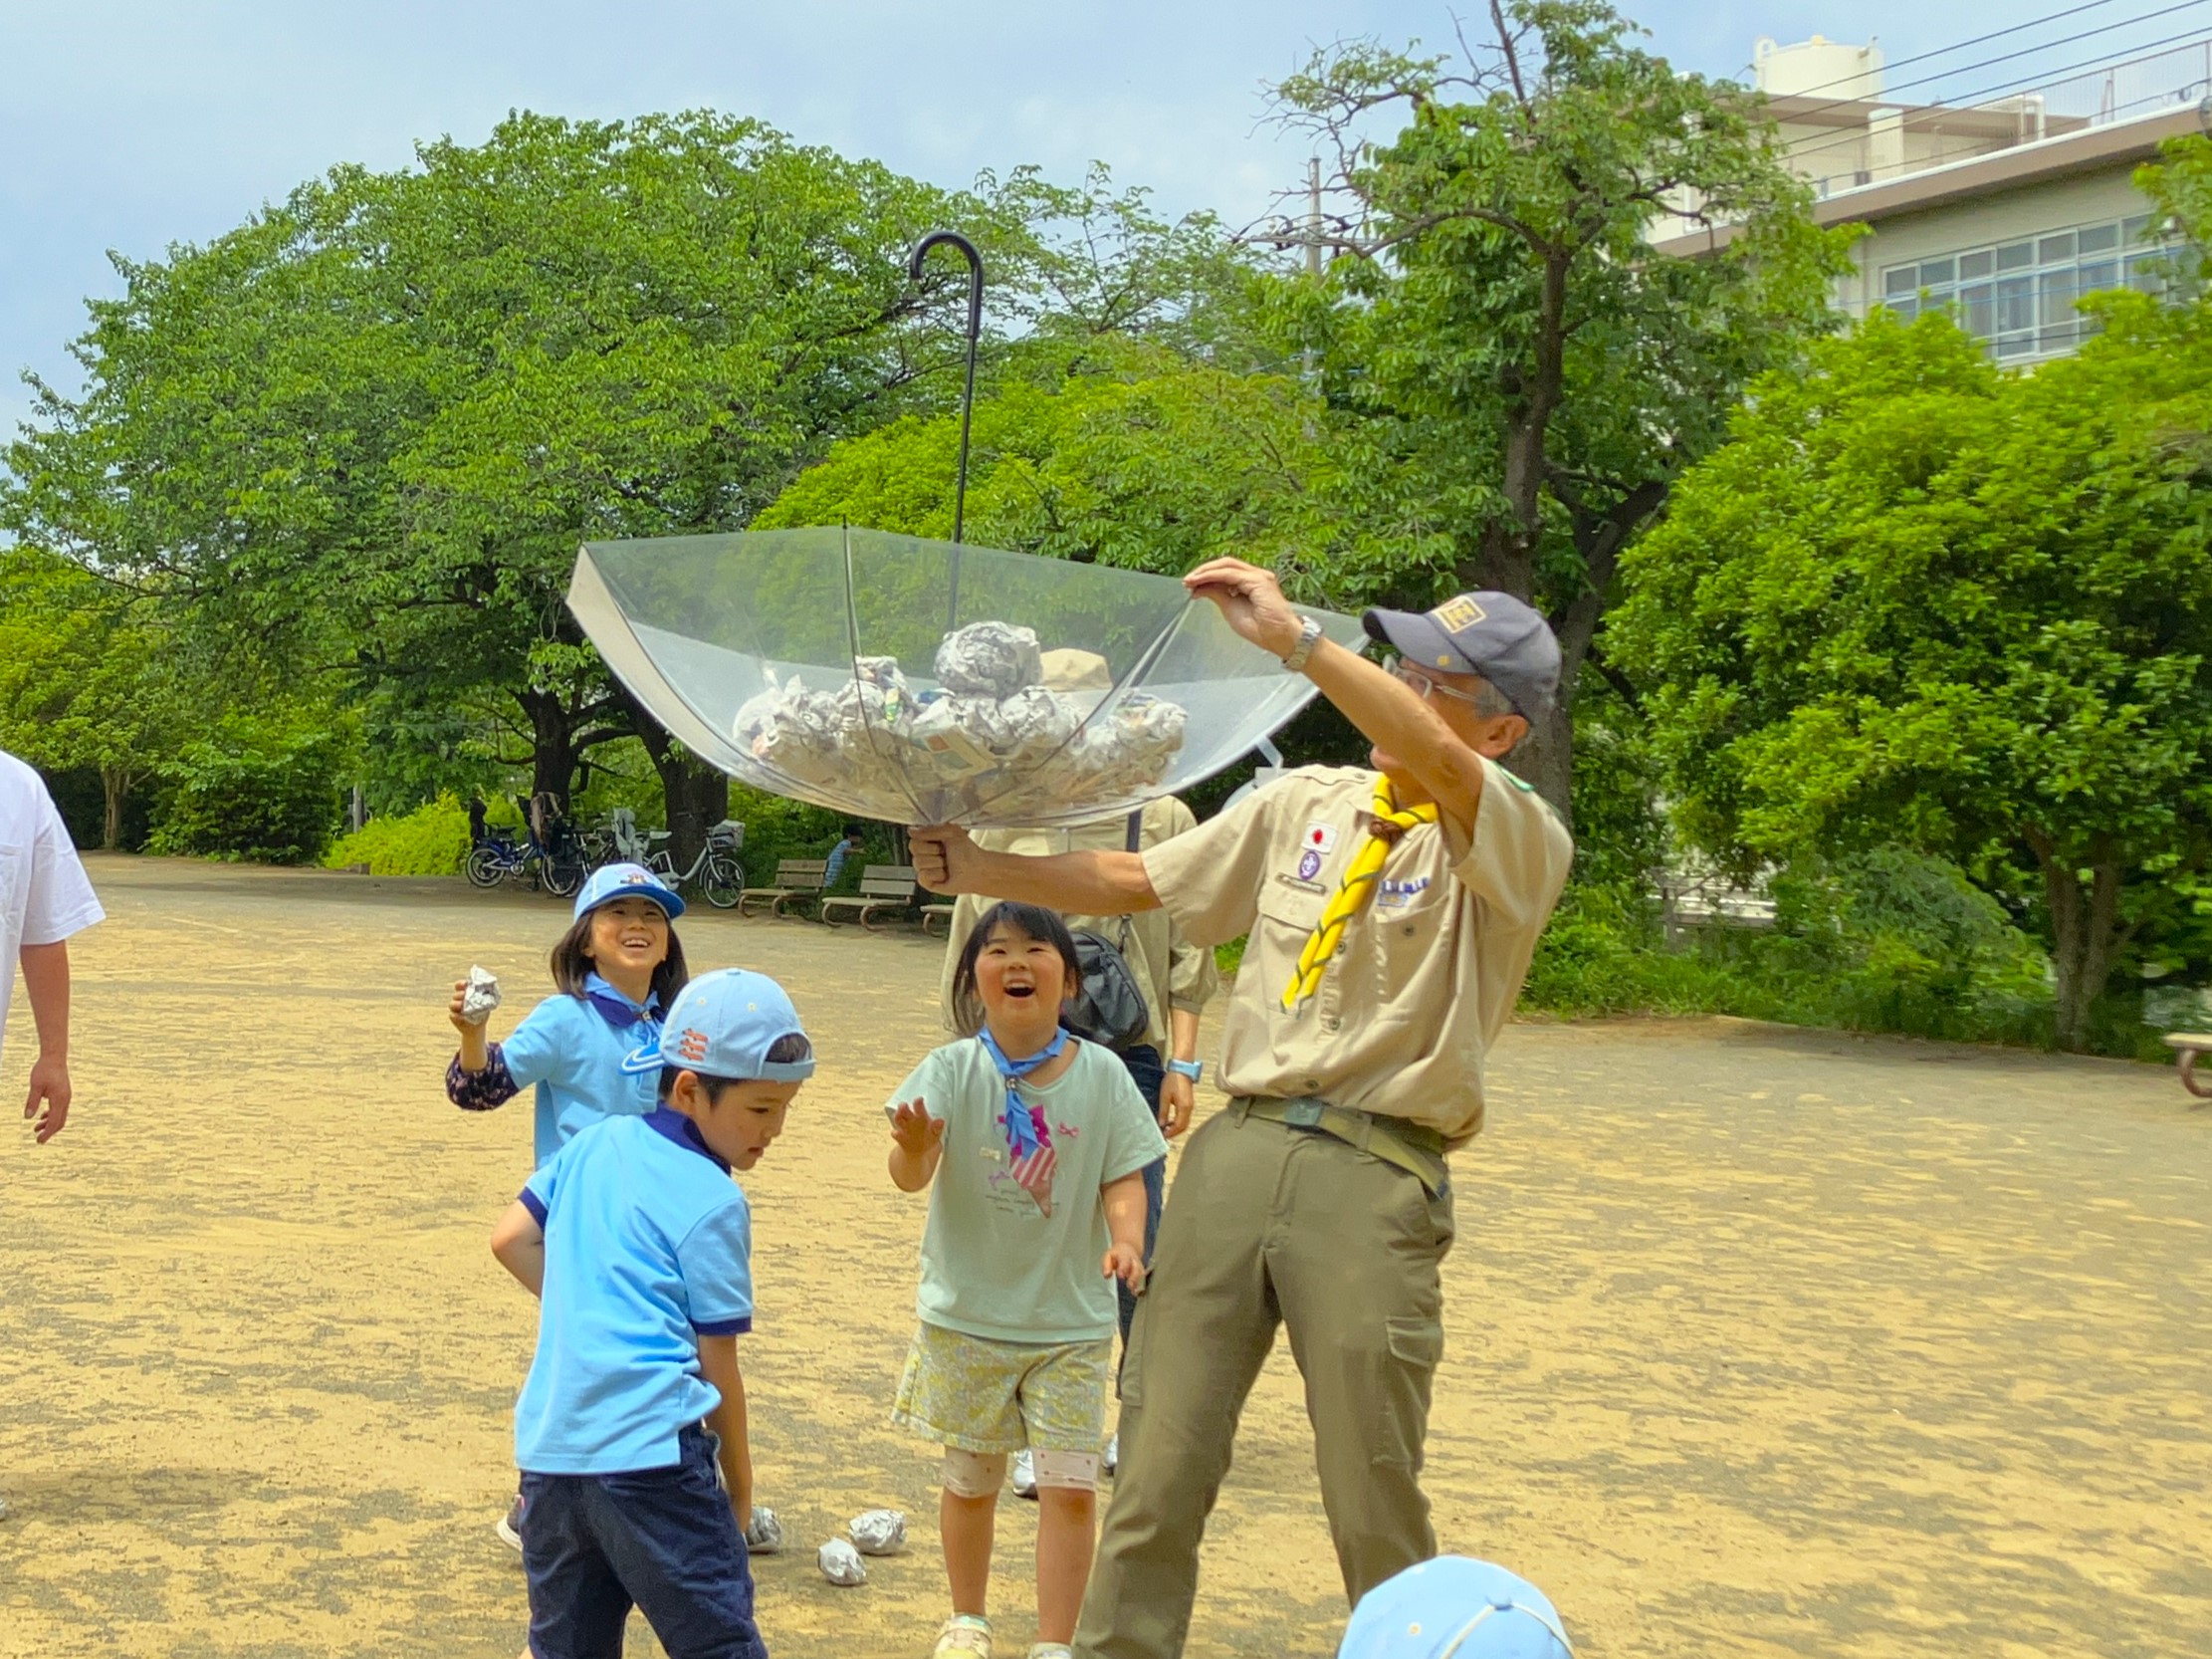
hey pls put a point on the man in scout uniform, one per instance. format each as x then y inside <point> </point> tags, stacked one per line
<point>1390,915</point>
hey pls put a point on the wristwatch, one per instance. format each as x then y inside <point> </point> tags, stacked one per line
<point>1191,1069</point>
<point>1309,635</point>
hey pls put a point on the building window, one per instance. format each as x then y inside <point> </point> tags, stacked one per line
<point>2018,298</point>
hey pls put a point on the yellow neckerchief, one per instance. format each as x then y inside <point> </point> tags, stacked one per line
<point>1354,892</point>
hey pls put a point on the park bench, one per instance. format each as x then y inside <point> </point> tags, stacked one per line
<point>2189,1046</point>
<point>882,887</point>
<point>798,881</point>
<point>937,913</point>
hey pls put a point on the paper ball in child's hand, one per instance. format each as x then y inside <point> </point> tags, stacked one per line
<point>480,996</point>
<point>764,1534</point>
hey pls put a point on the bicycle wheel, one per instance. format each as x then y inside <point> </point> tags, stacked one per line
<point>723,881</point>
<point>561,875</point>
<point>484,867</point>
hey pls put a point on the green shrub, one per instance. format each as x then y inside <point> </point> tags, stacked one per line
<point>432,840</point>
<point>258,788</point>
<point>776,827</point>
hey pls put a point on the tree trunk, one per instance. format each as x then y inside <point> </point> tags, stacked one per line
<point>2085,935</point>
<point>115,789</point>
<point>695,794</point>
<point>552,745</point>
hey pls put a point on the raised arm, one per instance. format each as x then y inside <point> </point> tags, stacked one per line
<point>1387,712</point>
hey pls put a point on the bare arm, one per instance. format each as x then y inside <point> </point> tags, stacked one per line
<point>476,1052</point>
<point>1382,707</point>
<point>519,1244</point>
<point>46,979</point>
<point>1123,1203</point>
<point>1080,883</point>
<point>1178,1096</point>
<point>917,1146</point>
<point>717,1364</point>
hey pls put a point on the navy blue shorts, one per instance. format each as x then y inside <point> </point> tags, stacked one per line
<point>661,1540</point>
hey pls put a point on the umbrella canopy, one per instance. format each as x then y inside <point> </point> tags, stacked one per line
<point>917,681</point>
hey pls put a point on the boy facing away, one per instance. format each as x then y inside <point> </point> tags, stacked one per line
<point>639,1245</point>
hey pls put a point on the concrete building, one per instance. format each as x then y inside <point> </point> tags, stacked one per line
<point>2006,212</point>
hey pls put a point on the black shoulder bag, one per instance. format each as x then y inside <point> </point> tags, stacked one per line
<point>1108,1008</point>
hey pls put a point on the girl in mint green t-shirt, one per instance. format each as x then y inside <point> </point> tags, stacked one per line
<point>1032,1144</point>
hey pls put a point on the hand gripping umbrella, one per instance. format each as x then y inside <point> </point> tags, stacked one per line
<point>919,681</point>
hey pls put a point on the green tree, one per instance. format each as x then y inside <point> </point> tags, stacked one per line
<point>1920,600</point>
<point>1519,377</point>
<point>88,682</point>
<point>376,422</point>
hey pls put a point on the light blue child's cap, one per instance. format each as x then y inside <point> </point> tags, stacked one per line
<point>1454,1607</point>
<point>721,1024</point>
<point>612,881</point>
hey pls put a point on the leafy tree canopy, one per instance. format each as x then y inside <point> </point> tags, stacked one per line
<point>1921,600</point>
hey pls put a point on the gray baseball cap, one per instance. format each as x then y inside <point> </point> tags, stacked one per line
<point>1489,633</point>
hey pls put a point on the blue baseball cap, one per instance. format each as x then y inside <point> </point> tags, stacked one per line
<point>721,1024</point>
<point>612,881</point>
<point>1454,1607</point>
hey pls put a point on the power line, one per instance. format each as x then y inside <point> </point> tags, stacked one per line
<point>1962,46</point>
<point>1968,101</point>
<point>2007,57</point>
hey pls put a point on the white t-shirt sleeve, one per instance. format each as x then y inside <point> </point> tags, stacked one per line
<point>60,900</point>
<point>1133,1140</point>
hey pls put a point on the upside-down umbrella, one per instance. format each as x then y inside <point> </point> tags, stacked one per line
<point>842,667</point>
<point>930,683</point>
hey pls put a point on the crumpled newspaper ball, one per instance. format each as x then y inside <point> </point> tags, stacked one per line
<point>765,1537</point>
<point>989,659</point>
<point>481,997</point>
<point>841,1564</point>
<point>878,1532</point>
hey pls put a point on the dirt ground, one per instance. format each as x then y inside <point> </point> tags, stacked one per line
<point>1761,1342</point>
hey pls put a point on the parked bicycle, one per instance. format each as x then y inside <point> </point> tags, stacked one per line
<point>716,871</point>
<point>558,869</point>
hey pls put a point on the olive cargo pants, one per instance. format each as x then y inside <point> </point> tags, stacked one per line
<point>1266,1225</point>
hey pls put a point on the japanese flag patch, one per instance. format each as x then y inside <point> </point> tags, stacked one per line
<point>1314,848</point>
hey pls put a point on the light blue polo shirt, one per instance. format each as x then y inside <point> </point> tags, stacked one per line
<point>573,1053</point>
<point>648,1248</point>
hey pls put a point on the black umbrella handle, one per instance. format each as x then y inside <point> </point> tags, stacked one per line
<point>922,250</point>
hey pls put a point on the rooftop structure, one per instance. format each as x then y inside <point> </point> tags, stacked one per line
<point>2005,211</point>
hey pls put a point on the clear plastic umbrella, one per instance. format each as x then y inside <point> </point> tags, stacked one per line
<point>919,681</point>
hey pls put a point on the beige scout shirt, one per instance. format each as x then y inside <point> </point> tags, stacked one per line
<point>1172,972</point>
<point>1427,972</point>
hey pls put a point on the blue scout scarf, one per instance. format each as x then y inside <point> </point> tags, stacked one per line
<point>1026,1128</point>
<point>617,1010</point>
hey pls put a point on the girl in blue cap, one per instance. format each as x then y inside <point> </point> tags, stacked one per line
<point>615,969</point>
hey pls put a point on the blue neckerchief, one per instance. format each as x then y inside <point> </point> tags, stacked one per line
<point>1025,1131</point>
<point>617,1010</point>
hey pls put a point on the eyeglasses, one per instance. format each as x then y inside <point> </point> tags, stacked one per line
<point>1423,685</point>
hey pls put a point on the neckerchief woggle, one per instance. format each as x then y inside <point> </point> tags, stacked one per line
<point>1030,1158</point>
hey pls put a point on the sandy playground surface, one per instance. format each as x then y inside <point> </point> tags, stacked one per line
<point>1761,1342</point>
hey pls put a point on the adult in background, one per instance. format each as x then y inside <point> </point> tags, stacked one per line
<point>1177,980</point>
<point>44,899</point>
<point>1392,914</point>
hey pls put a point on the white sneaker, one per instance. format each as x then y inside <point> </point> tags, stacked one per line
<point>1051,1650</point>
<point>511,1525</point>
<point>1112,1460</point>
<point>964,1634</point>
<point>1024,1474</point>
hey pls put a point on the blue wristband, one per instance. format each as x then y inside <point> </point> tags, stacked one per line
<point>1186,1067</point>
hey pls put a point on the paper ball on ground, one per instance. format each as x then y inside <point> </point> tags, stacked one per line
<point>765,1537</point>
<point>878,1532</point>
<point>841,1564</point>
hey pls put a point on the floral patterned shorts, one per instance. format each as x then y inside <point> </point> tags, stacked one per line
<point>985,1396</point>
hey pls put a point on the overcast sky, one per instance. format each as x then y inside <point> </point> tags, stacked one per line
<point>133,124</point>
